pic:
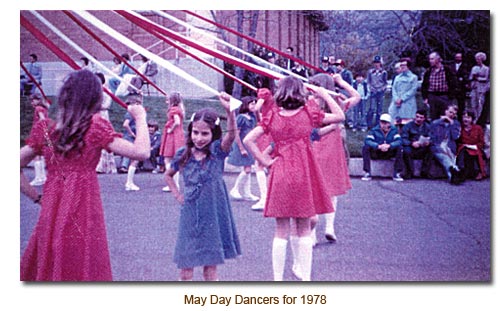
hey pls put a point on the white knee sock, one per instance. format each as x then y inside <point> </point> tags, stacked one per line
<point>305,248</point>
<point>294,245</point>
<point>279,256</point>
<point>330,218</point>
<point>236,187</point>
<point>130,174</point>
<point>262,182</point>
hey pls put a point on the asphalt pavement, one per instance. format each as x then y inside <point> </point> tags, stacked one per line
<point>416,230</point>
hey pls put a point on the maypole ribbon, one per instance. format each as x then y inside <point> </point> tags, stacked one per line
<point>117,55</point>
<point>60,53</point>
<point>203,61</point>
<point>255,58</point>
<point>145,23</point>
<point>78,48</point>
<point>160,61</point>
<point>298,60</point>
<point>226,57</point>
<point>36,83</point>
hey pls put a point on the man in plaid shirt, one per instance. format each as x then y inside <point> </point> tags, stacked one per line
<point>438,86</point>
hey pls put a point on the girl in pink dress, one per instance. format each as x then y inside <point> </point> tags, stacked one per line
<point>296,187</point>
<point>69,241</point>
<point>41,112</point>
<point>331,152</point>
<point>173,132</point>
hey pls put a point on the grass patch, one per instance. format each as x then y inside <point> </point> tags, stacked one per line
<point>156,108</point>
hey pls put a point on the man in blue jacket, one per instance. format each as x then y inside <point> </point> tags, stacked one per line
<point>383,142</point>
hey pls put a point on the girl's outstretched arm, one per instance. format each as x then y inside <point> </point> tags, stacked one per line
<point>140,148</point>
<point>228,138</point>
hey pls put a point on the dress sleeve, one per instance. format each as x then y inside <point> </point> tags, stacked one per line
<point>104,132</point>
<point>317,115</point>
<point>266,121</point>
<point>175,162</point>
<point>36,139</point>
<point>217,151</point>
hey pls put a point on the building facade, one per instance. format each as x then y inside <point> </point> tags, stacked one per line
<point>279,29</point>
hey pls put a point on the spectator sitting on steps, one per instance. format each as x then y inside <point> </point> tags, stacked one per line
<point>383,142</point>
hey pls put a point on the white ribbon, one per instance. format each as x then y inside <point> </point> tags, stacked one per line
<point>77,47</point>
<point>157,59</point>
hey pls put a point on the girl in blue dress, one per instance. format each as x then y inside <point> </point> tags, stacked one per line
<point>239,155</point>
<point>207,233</point>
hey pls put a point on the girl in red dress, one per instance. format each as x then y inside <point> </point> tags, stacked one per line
<point>173,132</point>
<point>69,241</point>
<point>296,187</point>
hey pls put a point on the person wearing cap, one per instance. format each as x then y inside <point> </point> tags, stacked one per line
<point>325,65</point>
<point>383,142</point>
<point>377,82</point>
<point>404,90</point>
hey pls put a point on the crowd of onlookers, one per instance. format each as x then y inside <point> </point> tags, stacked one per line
<point>450,124</point>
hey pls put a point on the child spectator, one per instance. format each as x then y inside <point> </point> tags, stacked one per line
<point>207,233</point>
<point>41,112</point>
<point>359,119</point>
<point>173,132</point>
<point>155,139</point>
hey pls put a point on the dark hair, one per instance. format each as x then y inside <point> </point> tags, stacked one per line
<point>210,117</point>
<point>153,123</point>
<point>469,113</point>
<point>245,103</point>
<point>126,56</point>
<point>79,99</point>
<point>85,60</point>
<point>422,112</point>
<point>144,58</point>
<point>34,56</point>
<point>101,77</point>
<point>290,93</point>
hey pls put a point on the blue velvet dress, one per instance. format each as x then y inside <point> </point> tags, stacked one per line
<point>207,232</point>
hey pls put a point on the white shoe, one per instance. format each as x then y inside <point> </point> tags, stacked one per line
<point>37,182</point>
<point>367,177</point>
<point>235,194</point>
<point>259,205</point>
<point>296,271</point>
<point>166,189</point>
<point>131,187</point>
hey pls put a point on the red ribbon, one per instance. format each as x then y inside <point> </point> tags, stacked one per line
<point>298,60</point>
<point>36,83</point>
<point>149,25</point>
<point>61,54</point>
<point>91,33</point>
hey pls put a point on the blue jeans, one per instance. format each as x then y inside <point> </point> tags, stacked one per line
<point>445,161</point>
<point>359,116</point>
<point>376,104</point>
